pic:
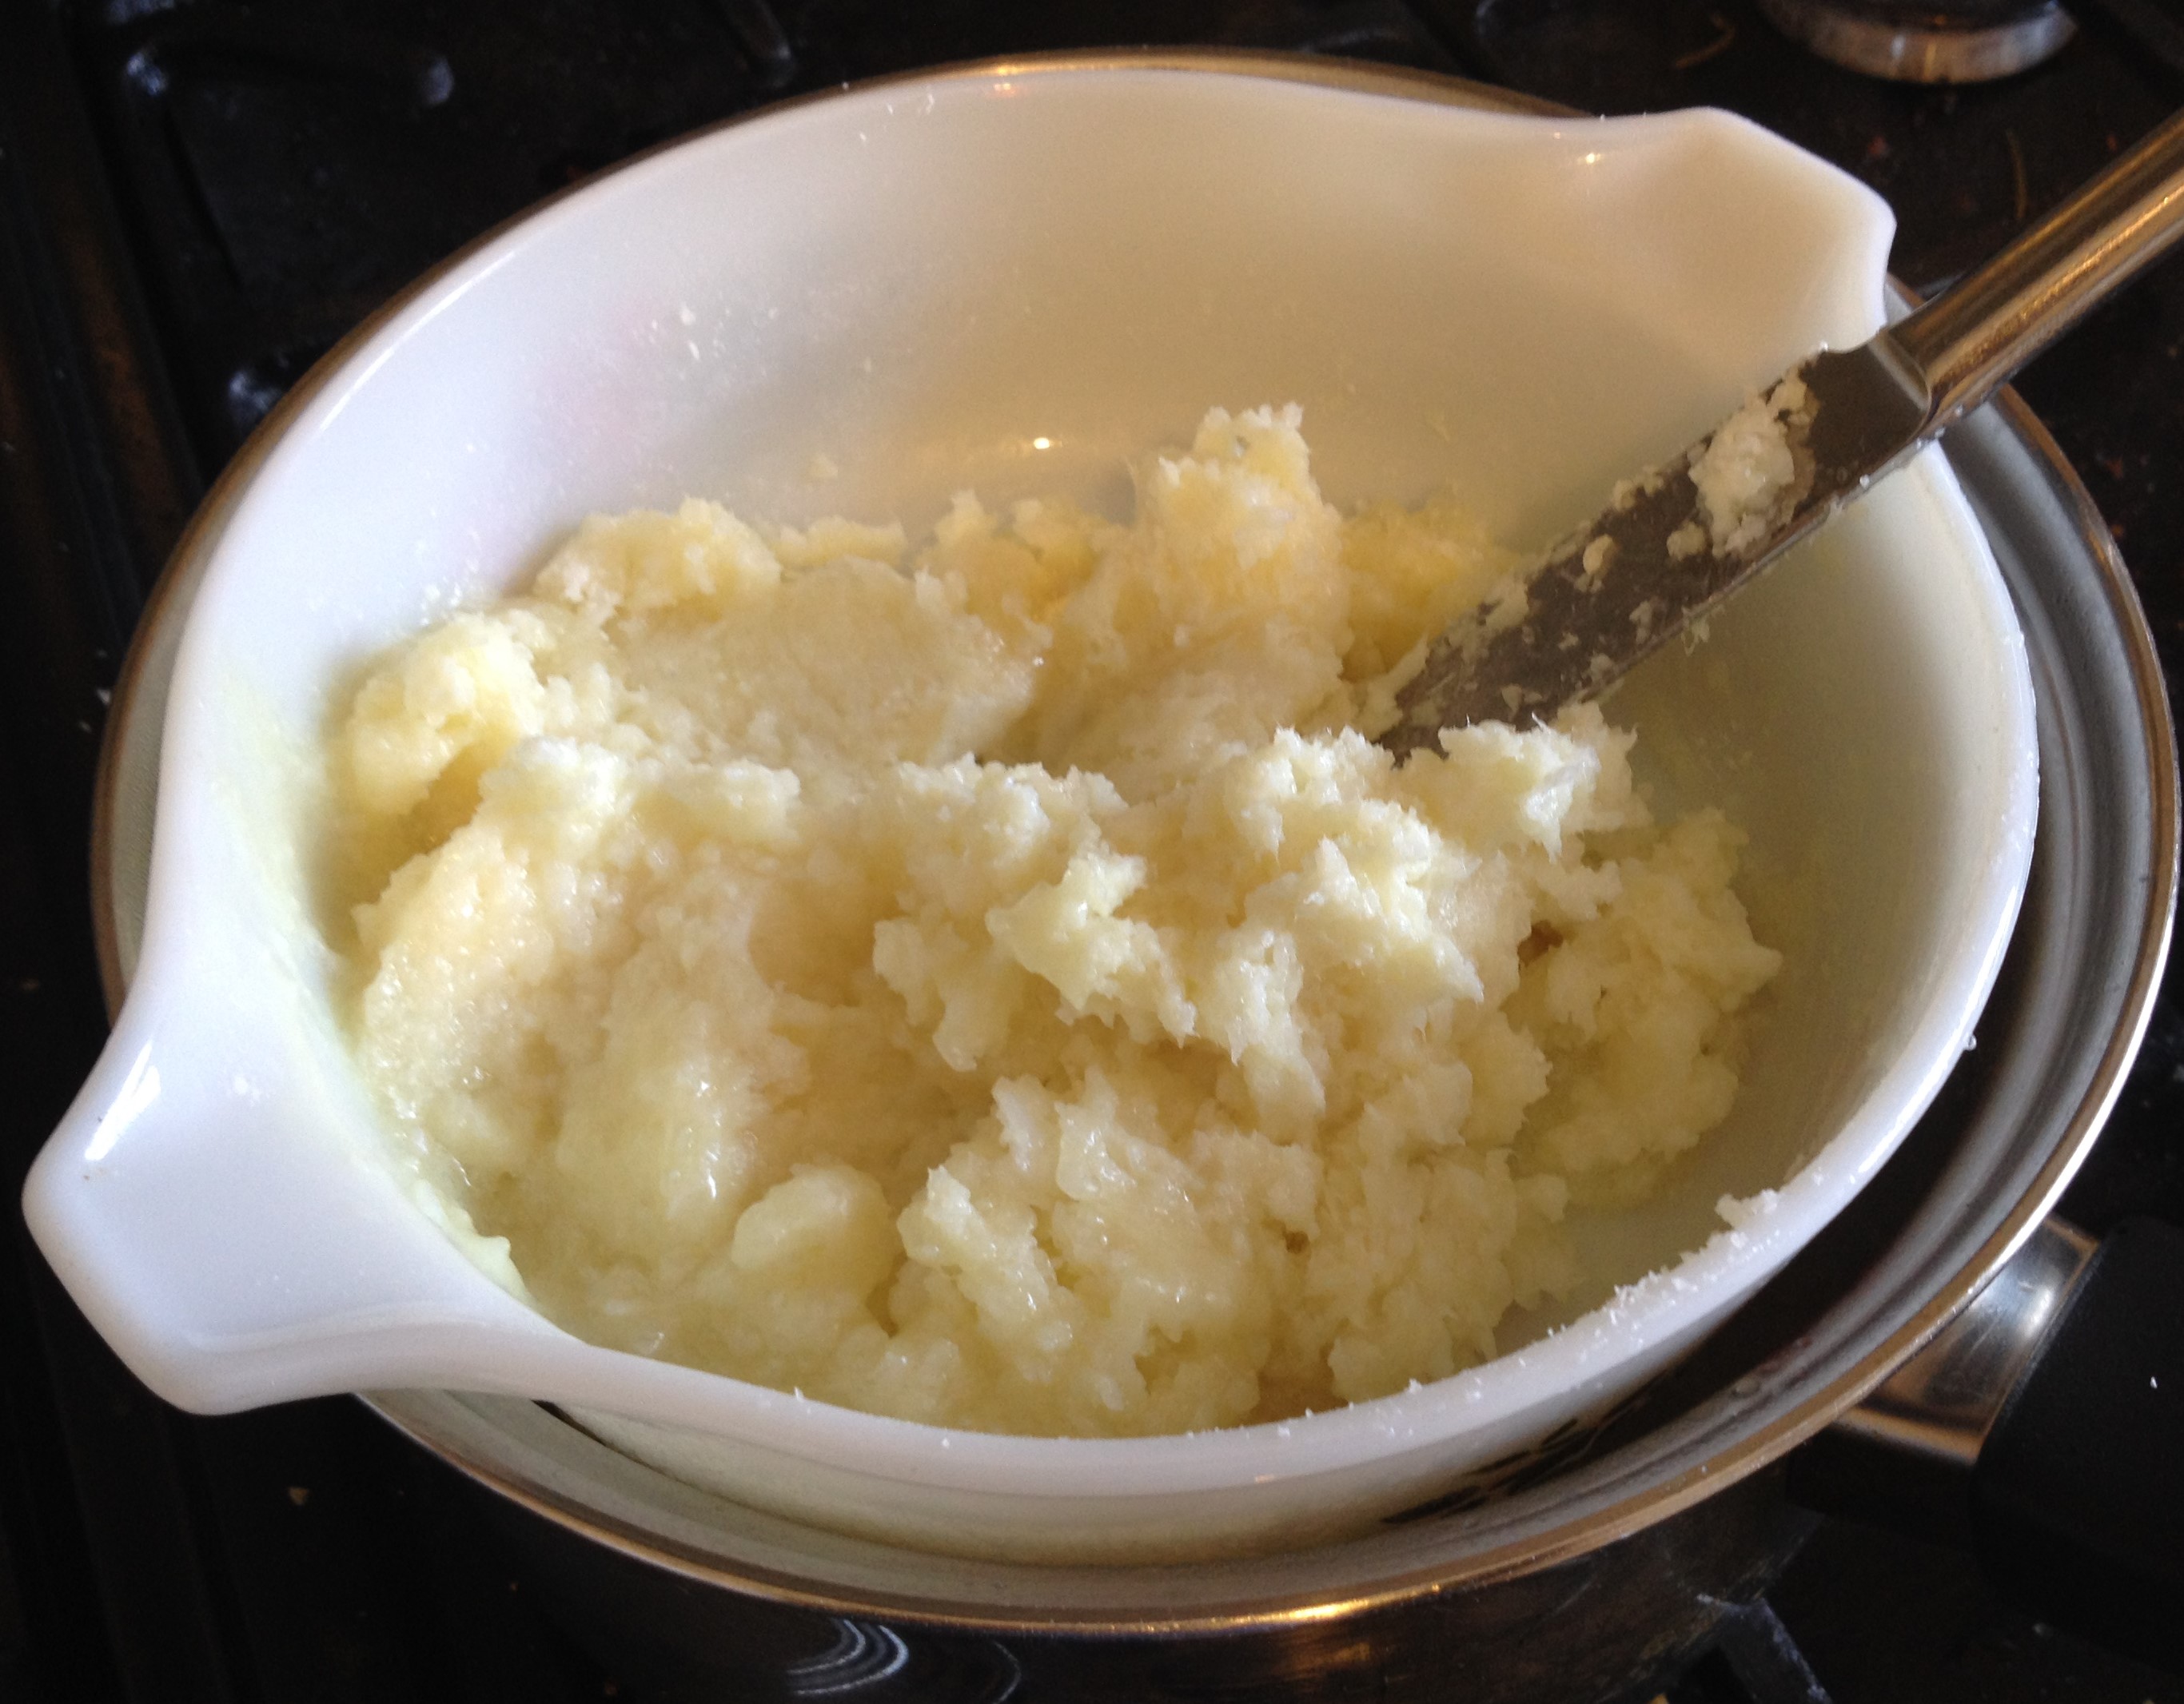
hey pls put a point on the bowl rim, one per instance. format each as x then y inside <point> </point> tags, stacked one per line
<point>201,539</point>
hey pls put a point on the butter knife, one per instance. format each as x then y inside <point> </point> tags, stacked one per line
<point>1675,541</point>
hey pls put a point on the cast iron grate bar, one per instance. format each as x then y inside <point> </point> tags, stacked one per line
<point>765,44</point>
<point>1753,1660</point>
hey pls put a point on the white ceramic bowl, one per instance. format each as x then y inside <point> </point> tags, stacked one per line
<point>1016,277</point>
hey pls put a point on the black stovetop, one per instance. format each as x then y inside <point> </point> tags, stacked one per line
<point>197,198</point>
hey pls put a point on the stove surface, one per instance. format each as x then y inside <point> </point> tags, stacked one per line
<point>197,199</point>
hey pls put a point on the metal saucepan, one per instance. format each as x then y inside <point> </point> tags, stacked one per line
<point>1606,1556</point>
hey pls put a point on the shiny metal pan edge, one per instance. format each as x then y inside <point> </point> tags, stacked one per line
<point>1985,1167</point>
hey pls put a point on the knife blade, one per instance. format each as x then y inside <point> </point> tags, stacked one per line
<point>1677,540</point>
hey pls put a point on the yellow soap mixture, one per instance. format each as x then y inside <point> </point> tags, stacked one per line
<point>1000,984</point>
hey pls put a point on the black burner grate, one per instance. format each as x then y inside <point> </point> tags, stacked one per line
<point>288,168</point>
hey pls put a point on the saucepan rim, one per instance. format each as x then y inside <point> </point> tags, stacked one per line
<point>415,1414</point>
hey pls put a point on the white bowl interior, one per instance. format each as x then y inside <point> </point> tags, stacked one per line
<point>920,283</point>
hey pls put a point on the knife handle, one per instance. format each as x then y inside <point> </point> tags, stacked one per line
<point>2003,312</point>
